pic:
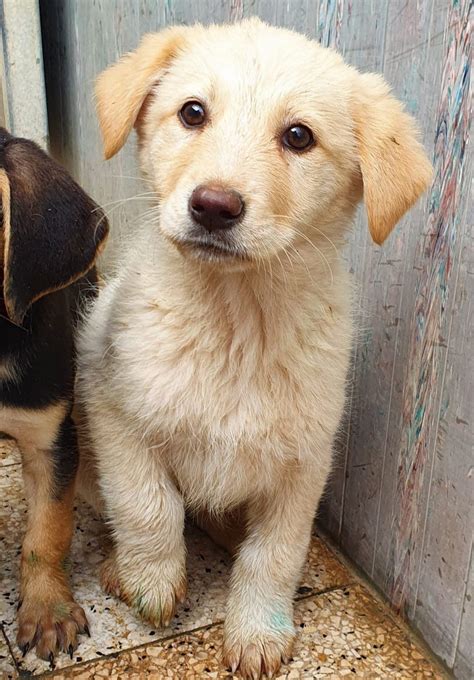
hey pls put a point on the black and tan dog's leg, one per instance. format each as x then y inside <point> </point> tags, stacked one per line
<point>48,616</point>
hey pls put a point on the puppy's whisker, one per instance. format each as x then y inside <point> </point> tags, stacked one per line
<point>284,219</point>
<point>267,262</point>
<point>112,207</point>
<point>300,257</point>
<point>264,259</point>
<point>147,219</point>
<point>314,228</point>
<point>118,204</point>
<point>318,250</point>
<point>154,209</point>
<point>123,201</point>
<point>139,179</point>
<point>283,268</point>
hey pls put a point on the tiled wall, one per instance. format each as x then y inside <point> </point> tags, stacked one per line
<point>22,93</point>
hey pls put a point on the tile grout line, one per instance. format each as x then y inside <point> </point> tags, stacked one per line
<point>329,589</point>
<point>8,644</point>
<point>114,655</point>
<point>174,636</point>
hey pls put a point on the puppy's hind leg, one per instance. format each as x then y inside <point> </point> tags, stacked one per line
<point>146,513</point>
<point>227,530</point>
<point>48,616</point>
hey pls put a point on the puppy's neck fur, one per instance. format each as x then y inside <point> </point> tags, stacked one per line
<point>265,306</point>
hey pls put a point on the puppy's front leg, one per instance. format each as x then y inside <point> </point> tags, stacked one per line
<point>147,567</point>
<point>259,629</point>
<point>48,616</point>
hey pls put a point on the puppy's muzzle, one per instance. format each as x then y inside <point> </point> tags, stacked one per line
<point>214,208</point>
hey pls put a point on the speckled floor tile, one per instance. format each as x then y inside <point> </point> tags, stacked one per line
<point>9,454</point>
<point>344,633</point>
<point>114,626</point>
<point>7,668</point>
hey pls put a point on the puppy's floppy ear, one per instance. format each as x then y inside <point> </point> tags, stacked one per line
<point>52,231</point>
<point>394,166</point>
<point>122,89</point>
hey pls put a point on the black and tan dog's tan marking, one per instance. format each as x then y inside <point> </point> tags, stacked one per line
<point>51,232</point>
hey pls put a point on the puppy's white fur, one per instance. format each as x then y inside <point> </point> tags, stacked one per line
<point>217,383</point>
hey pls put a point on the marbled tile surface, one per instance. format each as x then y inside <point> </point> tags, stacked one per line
<point>343,633</point>
<point>7,667</point>
<point>9,454</point>
<point>113,626</point>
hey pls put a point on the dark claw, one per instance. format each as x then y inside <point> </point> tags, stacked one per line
<point>70,650</point>
<point>24,649</point>
<point>86,630</point>
<point>20,602</point>
<point>51,660</point>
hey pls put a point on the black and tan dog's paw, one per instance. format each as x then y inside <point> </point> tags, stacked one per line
<point>51,627</point>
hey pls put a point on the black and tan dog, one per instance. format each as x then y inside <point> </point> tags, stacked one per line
<point>51,233</point>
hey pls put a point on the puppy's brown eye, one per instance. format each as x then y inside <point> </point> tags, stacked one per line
<point>298,138</point>
<point>192,114</point>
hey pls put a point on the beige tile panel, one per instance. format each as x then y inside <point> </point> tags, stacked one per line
<point>114,626</point>
<point>344,633</point>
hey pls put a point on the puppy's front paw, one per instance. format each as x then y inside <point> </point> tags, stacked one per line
<point>257,655</point>
<point>51,624</point>
<point>152,588</point>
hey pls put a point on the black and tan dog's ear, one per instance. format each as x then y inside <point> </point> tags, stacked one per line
<point>52,231</point>
<point>122,89</point>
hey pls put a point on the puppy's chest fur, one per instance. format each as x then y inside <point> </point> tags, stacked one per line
<point>232,383</point>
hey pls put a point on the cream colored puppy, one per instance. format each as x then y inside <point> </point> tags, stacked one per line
<point>213,367</point>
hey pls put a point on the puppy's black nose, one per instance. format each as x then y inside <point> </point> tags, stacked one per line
<point>215,208</point>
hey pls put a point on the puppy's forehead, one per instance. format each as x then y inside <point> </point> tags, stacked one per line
<point>259,61</point>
